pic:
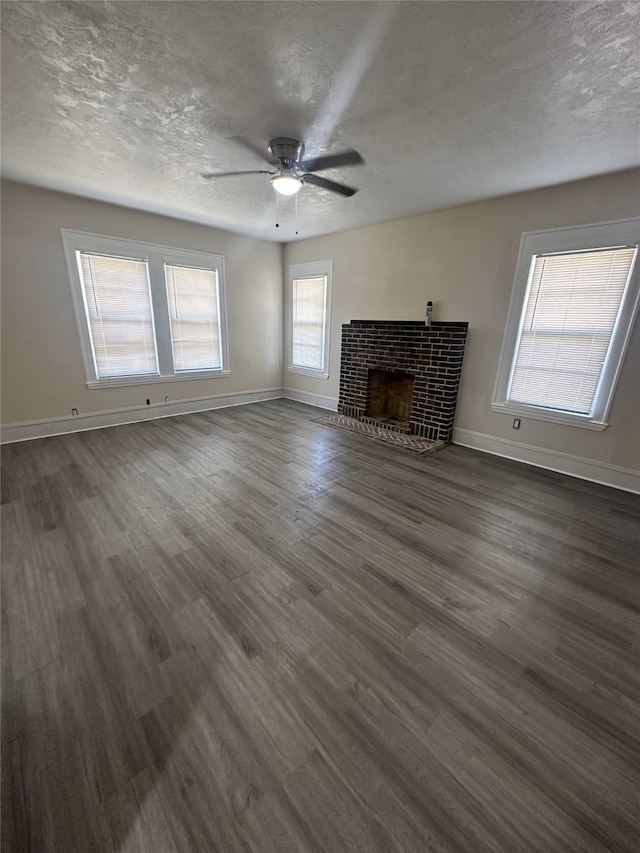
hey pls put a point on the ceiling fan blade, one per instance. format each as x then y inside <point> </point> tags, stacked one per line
<point>331,161</point>
<point>252,145</point>
<point>317,181</point>
<point>229,174</point>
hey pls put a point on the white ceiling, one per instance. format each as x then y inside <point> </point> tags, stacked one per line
<point>448,102</point>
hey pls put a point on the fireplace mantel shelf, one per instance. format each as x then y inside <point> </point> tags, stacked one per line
<point>436,324</point>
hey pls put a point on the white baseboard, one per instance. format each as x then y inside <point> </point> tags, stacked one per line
<point>310,399</point>
<point>117,417</point>
<point>553,460</point>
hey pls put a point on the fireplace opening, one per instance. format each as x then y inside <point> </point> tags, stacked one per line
<point>390,399</point>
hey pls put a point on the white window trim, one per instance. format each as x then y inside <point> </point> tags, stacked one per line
<point>156,256</point>
<point>309,270</point>
<point>599,235</point>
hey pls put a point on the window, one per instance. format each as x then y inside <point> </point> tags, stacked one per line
<point>194,314</point>
<point>118,308</point>
<point>309,317</point>
<point>146,313</point>
<point>572,310</point>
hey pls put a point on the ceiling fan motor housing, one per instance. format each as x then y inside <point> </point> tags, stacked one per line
<point>286,152</point>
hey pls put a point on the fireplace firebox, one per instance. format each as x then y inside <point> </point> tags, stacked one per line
<point>390,398</point>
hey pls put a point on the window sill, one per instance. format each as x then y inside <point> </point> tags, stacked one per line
<point>538,414</point>
<point>308,371</point>
<point>123,381</point>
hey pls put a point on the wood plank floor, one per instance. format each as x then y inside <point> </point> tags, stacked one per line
<point>245,631</point>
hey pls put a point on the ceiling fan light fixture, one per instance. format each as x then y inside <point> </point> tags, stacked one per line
<point>286,184</point>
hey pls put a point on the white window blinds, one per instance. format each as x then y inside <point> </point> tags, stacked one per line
<point>308,332</point>
<point>566,327</point>
<point>194,315</point>
<point>120,317</point>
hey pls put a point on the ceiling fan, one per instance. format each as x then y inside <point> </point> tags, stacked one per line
<point>290,171</point>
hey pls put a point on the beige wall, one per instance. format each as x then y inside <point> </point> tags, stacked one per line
<point>464,260</point>
<point>42,372</point>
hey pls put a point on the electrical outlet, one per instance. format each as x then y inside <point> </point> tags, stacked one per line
<point>148,402</point>
<point>516,423</point>
<point>166,399</point>
<point>74,412</point>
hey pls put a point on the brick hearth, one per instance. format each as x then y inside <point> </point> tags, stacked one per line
<point>432,356</point>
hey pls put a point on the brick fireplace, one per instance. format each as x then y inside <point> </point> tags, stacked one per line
<point>402,375</point>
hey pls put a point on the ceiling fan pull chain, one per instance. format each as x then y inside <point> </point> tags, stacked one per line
<point>296,199</point>
<point>277,212</point>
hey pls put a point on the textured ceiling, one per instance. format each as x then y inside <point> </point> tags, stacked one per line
<point>448,102</point>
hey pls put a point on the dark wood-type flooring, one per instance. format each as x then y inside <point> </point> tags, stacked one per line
<point>245,631</point>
